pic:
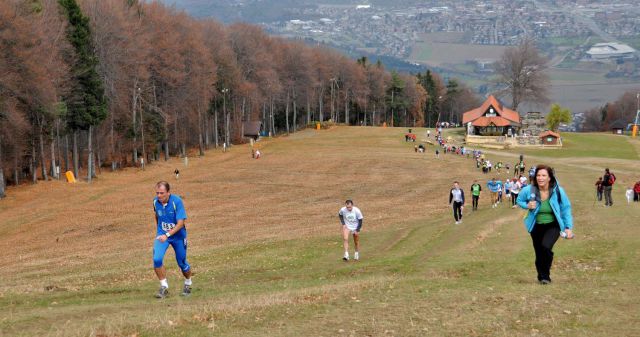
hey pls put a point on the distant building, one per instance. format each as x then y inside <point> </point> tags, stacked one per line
<point>492,119</point>
<point>549,138</point>
<point>609,50</point>
<point>618,126</point>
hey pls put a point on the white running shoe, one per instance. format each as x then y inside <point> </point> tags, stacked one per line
<point>346,256</point>
<point>457,222</point>
<point>356,256</point>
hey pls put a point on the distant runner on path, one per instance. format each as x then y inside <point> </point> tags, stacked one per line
<point>475,195</point>
<point>516,186</point>
<point>456,195</point>
<point>170,219</point>
<point>494,187</point>
<point>351,220</point>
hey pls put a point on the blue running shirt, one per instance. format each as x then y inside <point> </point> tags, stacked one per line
<point>168,216</point>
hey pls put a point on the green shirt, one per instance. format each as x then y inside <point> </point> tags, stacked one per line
<point>475,189</point>
<point>545,213</point>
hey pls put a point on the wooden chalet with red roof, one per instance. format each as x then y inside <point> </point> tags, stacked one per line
<point>492,119</point>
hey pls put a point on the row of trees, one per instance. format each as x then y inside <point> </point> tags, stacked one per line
<point>623,109</point>
<point>111,83</point>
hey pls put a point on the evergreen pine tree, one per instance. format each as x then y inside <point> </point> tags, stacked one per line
<point>87,106</point>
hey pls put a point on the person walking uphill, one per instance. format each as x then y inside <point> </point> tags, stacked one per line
<point>171,231</point>
<point>548,218</point>
<point>607,185</point>
<point>456,195</point>
<point>494,188</point>
<point>599,189</point>
<point>476,189</point>
<point>351,220</point>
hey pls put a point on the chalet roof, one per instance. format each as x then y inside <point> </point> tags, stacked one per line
<point>486,121</point>
<point>252,129</point>
<point>549,133</point>
<point>501,110</point>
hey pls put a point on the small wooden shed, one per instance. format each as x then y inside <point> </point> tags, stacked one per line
<point>549,138</point>
<point>618,126</point>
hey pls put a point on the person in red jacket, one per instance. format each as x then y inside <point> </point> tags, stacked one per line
<point>636,191</point>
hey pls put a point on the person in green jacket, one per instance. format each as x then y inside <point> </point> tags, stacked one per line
<point>475,194</point>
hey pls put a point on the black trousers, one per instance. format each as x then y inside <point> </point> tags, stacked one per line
<point>544,236</point>
<point>475,199</point>
<point>457,210</point>
<point>514,196</point>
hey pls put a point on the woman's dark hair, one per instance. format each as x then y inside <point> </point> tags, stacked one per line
<point>349,202</point>
<point>550,171</point>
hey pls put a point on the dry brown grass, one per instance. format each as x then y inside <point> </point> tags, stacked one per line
<point>265,250</point>
<point>294,190</point>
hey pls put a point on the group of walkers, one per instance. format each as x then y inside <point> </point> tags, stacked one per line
<point>548,216</point>
<point>548,207</point>
<point>604,187</point>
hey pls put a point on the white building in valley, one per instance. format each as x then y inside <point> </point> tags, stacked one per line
<point>609,50</point>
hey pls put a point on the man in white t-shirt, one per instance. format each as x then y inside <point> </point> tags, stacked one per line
<point>351,220</point>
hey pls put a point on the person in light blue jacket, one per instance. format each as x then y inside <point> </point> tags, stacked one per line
<point>549,217</point>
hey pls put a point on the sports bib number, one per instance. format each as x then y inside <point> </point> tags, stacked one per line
<point>167,226</point>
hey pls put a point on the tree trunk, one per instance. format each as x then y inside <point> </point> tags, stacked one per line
<point>134,105</point>
<point>286,113</point>
<point>200,127</point>
<point>43,162</point>
<point>207,141</point>
<point>66,152</point>
<point>216,137</point>
<point>333,110</point>
<point>90,155</point>
<point>34,167</point>
<point>112,144</point>
<point>75,154</point>
<point>144,150</point>
<point>227,134</point>
<point>346,106</point>
<point>58,144</point>
<point>320,112</point>
<point>175,131</point>
<point>308,110</point>
<point>271,120</point>
<point>264,116</point>
<point>295,111</point>
<point>2,182</point>
<point>54,168</point>
<point>16,173</point>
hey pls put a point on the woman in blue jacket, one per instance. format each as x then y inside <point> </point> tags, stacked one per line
<point>549,217</point>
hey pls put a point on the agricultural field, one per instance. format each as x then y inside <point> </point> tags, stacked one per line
<point>448,49</point>
<point>580,86</point>
<point>265,247</point>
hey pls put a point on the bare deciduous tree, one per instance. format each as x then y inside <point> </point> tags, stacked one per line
<point>523,73</point>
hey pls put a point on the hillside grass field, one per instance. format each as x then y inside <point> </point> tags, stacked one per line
<point>265,247</point>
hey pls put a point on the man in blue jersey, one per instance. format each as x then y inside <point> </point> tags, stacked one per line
<point>494,188</point>
<point>170,219</point>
